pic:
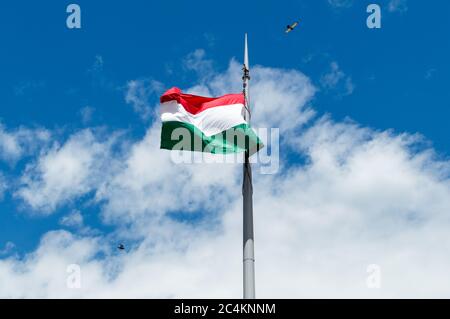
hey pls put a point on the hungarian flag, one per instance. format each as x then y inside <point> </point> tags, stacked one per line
<point>206,124</point>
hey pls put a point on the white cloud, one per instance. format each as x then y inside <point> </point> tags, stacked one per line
<point>336,79</point>
<point>73,219</point>
<point>286,91</point>
<point>43,273</point>
<point>392,5</point>
<point>362,197</point>
<point>75,222</point>
<point>27,87</point>
<point>143,173</point>
<point>14,144</point>
<point>65,172</point>
<point>196,61</point>
<point>9,246</point>
<point>341,3</point>
<point>3,185</point>
<point>86,114</point>
<point>154,185</point>
<point>398,6</point>
<point>98,64</point>
<point>138,94</point>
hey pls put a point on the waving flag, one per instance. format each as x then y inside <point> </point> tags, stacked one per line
<point>206,124</point>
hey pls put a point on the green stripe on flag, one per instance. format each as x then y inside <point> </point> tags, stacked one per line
<point>184,136</point>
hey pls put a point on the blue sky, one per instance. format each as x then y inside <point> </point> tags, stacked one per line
<point>389,67</point>
<point>394,78</point>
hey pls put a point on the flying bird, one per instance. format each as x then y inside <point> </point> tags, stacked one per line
<point>291,27</point>
<point>121,247</point>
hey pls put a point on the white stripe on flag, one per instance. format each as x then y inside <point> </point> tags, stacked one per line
<point>211,121</point>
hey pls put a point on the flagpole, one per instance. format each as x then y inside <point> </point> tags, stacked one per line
<point>247,193</point>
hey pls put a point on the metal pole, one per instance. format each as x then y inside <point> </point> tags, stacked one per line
<point>247,193</point>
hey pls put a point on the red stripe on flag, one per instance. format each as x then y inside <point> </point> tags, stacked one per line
<point>196,104</point>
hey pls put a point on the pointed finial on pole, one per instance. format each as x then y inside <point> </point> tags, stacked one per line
<point>245,80</point>
<point>246,67</point>
<point>246,54</point>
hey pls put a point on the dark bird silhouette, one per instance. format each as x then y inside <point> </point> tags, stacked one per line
<point>121,247</point>
<point>291,27</point>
